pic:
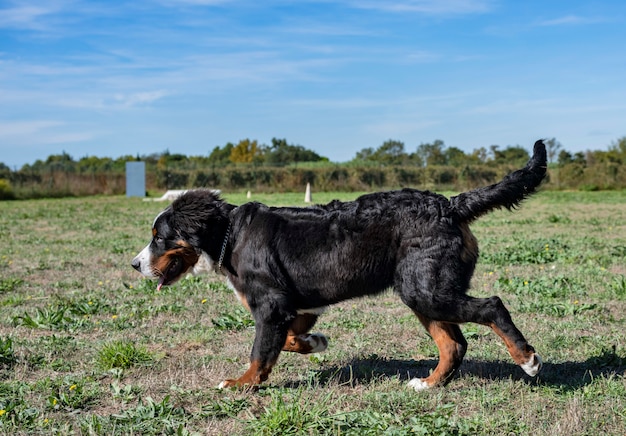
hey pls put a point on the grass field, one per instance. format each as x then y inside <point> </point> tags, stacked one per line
<point>89,347</point>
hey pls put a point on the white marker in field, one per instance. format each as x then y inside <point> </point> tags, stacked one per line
<point>307,193</point>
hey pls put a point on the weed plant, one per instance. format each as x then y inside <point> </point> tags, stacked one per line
<point>122,354</point>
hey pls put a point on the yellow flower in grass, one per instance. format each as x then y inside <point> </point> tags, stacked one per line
<point>2,412</point>
<point>114,317</point>
<point>204,301</point>
<point>73,387</point>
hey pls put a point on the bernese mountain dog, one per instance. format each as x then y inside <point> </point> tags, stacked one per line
<point>287,264</point>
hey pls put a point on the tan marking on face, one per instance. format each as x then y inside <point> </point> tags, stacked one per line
<point>183,251</point>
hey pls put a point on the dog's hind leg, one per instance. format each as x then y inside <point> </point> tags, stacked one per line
<point>490,312</point>
<point>452,346</point>
<point>299,340</point>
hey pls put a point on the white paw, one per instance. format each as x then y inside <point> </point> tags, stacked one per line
<point>533,366</point>
<point>222,385</point>
<point>418,384</point>
<point>317,341</point>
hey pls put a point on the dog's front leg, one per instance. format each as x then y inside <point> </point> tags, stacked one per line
<point>270,335</point>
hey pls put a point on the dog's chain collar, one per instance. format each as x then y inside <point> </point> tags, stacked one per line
<point>223,252</point>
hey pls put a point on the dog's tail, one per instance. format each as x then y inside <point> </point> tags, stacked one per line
<point>508,193</point>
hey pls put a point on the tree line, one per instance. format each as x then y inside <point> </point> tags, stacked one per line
<point>285,167</point>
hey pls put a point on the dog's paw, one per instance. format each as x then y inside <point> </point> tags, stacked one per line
<point>227,384</point>
<point>533,366</point>
<point>238,384</point>
<point>418,384</point>
<point>317,341</point>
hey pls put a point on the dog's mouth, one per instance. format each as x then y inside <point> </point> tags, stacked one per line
<point>171,273</point>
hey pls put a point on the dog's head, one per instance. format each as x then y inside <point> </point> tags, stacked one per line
<point>185,236</point>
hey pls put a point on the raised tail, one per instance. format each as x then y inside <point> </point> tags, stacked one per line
<point>508,193</point>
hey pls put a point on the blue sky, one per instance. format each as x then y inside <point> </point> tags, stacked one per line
<point>111,78</point>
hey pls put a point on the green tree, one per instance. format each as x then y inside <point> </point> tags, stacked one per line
<point>93,164</point>
<point>455,156</point>
<point>55,162</point>
<point>478,156</point>
<point>172,160</point>
<point>220,156</point>
<point>565,157</point>
<point>617,150</point>
<point>282,153</point>
<point>391,152</point>
<point>365,154</point>
<point>512,155</point>
<point>432,153</point>
<point>5,171</point>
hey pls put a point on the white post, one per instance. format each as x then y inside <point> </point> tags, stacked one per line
<point>307,193</point>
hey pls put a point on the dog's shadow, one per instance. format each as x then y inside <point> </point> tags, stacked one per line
<point>568,376</point>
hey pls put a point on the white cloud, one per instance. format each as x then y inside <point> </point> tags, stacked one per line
<point>569,20</point>
<point>431,7</point>
<point>139,98</point>
<point>194,2</point>
<point>12,129</point>
<point>40,132</point>
<point>28,15</point>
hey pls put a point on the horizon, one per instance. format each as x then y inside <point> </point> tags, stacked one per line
<point>91,79</point>
<point>146,156</point>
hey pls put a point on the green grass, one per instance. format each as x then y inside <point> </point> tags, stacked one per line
<point>89,347</point>
<point>122,354</point>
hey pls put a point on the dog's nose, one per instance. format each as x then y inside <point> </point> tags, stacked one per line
<point>136,263</point>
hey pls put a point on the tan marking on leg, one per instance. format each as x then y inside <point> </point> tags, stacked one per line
<point>254,376</point>
<point>530,361</point>
<point>451,352</point>
<point>520,356</point>
<point>302,323</point>
<point>299,341</point>
<point>306,343</point>
<point>242,299</point>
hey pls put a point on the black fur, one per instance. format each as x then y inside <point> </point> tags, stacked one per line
<point>284,260</point>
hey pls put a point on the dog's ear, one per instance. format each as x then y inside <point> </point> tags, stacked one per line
<point>199,216</point>
<point>193,209</point>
